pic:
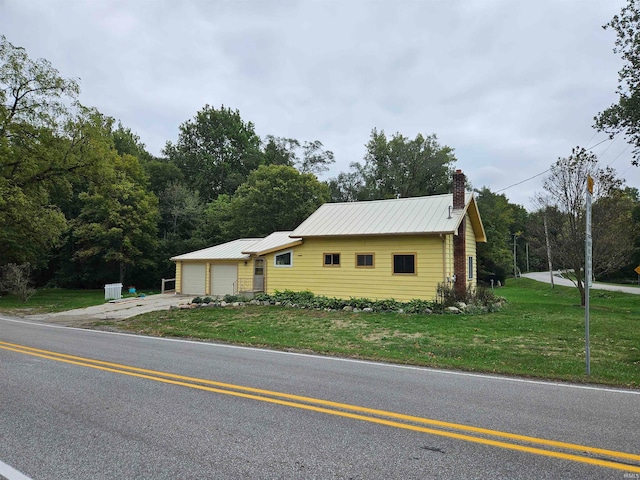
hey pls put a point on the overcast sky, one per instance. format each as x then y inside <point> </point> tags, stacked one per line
<point>511,85</point>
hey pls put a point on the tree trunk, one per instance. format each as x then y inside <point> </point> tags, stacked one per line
<point>122,273</point>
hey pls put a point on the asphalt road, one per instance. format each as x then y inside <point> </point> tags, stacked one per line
<point>558,280</point>
<point>231,412</point>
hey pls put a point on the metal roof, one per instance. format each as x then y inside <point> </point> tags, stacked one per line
<point>416,215</point>
<point>275,241</point>
<point>225,251</point>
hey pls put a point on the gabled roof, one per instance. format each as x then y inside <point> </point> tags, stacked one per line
<point>226,251</point>
<point>274,242</point>
<point>402,216</point>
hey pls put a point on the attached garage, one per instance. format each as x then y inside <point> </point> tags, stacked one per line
<point>215,270</point>
<point>194,278</point>
<point>224,278</point>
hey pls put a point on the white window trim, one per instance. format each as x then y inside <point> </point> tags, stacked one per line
<point>290,252</point>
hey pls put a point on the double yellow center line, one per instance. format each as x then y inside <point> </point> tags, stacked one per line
<point>550,448</point>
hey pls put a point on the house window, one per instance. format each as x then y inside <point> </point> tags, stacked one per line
<point>364,260</point>
<point>470,269</point>
<point>284,259</point>
<point>331,259</point>
<point>404,263</point>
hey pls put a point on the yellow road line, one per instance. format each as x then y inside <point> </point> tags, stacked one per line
<point>202,385</point>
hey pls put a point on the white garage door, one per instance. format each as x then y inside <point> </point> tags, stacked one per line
<point>193,278</point>
<point>223,278</point>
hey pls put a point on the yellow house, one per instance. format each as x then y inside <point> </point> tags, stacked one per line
<point>400,248</point>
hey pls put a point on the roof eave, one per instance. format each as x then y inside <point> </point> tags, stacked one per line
<point>259,253</point>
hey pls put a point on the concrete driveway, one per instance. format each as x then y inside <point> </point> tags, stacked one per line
<point>557,280</point>
<point>115,310</point>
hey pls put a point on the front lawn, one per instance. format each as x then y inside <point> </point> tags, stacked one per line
<point>50,300</point>
<point>539,333</point>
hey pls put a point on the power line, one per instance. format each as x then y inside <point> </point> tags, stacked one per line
<point>523,181</point>
<point>618,156</point>
<point>542,173</point>
<point>590,148</point>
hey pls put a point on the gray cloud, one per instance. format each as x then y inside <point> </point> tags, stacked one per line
<point>511,86</point>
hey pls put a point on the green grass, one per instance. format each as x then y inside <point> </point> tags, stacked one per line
<point>50,300</point>
<point>539,333</point>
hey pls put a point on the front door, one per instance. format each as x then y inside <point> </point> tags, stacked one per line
<point>258,275</point>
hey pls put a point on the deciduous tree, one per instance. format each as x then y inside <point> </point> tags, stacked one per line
<point>399,167</point>
<point>215,151</point>
<point>118,222</point>
<point>624,116</point>
<point>275,197</point>
<point>565,192</point>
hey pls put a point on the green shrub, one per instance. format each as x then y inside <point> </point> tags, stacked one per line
<point>416,305</point>
<point>478,301</point>
<point>360,303</point>
<point>389,305</point>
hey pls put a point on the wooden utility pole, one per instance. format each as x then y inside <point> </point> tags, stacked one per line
<point>546,237</point>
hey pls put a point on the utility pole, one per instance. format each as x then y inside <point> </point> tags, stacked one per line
<point>515,265</point>
<point>546,238</point>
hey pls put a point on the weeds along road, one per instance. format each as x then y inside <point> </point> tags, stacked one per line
<point>80,404</point>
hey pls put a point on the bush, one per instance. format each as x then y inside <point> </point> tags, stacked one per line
<point>480,300</point>
<point>16,279</point>
<point>389,305</point>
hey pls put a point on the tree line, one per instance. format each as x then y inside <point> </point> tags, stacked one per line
<point>84,203</point>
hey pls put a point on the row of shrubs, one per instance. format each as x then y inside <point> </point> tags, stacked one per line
<point>476,301</point>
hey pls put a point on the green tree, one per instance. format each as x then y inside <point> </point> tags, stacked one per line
<point>399,167</point>
<point>215,151</point>
<point>280,151</point>
<point>48,144</point>
<point>347,186</point>
<point>565,193</point>
<point>285,151</point>
<point>181,210</point>
<point>624,116</point>
<point>499,217</point>
<point>117,227</point>
<point>275,197</point>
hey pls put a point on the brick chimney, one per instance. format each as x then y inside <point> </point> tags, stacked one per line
<point>459,240</point>
<point>459,181</point>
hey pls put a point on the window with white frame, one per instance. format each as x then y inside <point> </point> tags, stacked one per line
<point>284,259</point>
<point>470,269</point>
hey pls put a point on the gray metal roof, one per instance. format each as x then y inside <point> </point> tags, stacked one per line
<point>225,251</point>
<point>271,243</point>
<point>415,215</point>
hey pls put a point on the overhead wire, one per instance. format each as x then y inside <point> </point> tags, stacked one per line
<point>588,148</point>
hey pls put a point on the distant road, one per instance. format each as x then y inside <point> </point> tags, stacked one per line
<point>544,277</point>
<point>80,404</point>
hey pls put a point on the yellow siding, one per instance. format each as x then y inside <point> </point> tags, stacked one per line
<point>207,279</point>
<point>471,252</point>
<point>344,281</point>
<point>448,258</point>
<point>178,277</point>
<point>245,276</point>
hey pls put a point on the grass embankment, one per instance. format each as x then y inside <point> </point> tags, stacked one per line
<point>540,333</point>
